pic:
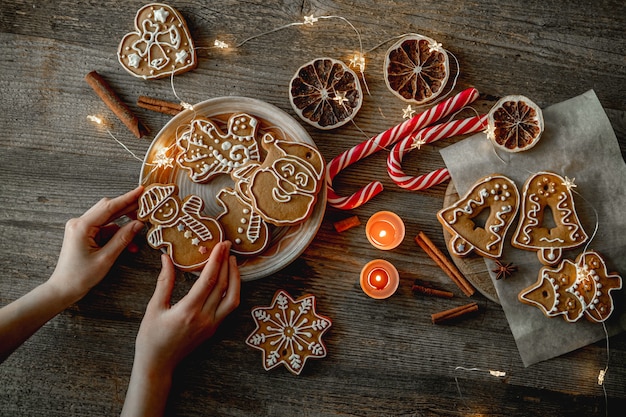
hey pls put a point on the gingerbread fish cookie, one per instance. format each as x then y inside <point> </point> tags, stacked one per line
<point>179,226</point>
<point>160,46</point>
<point>283,188</point>
<point>243,227</point>
<point>207,151</point>
<point>495,193</point>
<point>542,192</point>
<point>575,289</point>
<point>289,332</point>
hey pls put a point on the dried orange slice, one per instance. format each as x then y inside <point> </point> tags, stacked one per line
<point>325,93</point>
<point>416,69</point>
<point>515,123</point>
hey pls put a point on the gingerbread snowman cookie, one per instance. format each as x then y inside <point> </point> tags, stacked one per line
<point>179,226</point>
<point>243,227</point>
<point>283,188</point>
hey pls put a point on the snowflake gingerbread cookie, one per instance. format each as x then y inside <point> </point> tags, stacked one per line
<point>160,46</point>
<point>289,332</point>
<point>179,226</point>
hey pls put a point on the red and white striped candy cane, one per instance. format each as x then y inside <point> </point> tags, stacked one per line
<point>422,137</point>
<point>383,140</point>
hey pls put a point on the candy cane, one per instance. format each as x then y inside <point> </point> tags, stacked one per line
<point>383,140</point>
<point>422,137</point>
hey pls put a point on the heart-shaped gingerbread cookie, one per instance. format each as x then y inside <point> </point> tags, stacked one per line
<point>160,46</point>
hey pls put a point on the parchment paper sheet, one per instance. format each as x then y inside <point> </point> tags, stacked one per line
<point>578,142</point>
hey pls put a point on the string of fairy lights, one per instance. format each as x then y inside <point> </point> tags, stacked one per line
<point>357,61</point>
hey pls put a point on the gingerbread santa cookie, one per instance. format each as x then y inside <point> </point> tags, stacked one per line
<point>289,332</point>
<point>495,193</point>
<point>207,151</point>
<point>543,192</point>
<point>160,46</point>
<point>283,188</point>
<point>575,289</point>
<point>179,226</point>
<point>243,227</point>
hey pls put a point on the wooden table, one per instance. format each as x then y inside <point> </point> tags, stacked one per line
<point>384,357</point>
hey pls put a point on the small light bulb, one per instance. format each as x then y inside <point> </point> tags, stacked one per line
<point>97,120</point>
<point>220,44</point>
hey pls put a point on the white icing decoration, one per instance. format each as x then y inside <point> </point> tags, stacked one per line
<point>160,15</point>
<point>134,60</point>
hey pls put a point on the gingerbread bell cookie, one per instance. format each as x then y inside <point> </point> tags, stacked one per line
<point>575,289</point>
<point>160,46</point>
<point>207,151</point>
<point>543,192</point>
<point>495,193</point>
<point>289,332</point>
<point>179,226</point>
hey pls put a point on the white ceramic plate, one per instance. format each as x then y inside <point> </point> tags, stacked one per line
<point>287,243</point>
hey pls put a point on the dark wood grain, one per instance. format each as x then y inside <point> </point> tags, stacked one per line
<point>385,358</point>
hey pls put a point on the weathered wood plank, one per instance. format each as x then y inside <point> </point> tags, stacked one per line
<point>385,357</point>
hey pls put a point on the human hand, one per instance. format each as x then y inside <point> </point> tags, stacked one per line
<point>85,257</point>
<point>169,333</point>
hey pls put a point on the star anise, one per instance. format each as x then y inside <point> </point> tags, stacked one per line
<point>504,270</point>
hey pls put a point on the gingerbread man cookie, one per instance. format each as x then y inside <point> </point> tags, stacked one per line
<point>243,227</point>
<point>542,192</point>
<point>178,226</point>
<point>283,188</point>
<point>289,332</point>
<point>160,46</point>
<point>495,193</point>
<point>575,289</point>
<point>207,151</point>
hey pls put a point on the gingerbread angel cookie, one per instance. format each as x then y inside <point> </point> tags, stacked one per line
<point>548,192</point>
<point>495,193</point>
<point>289,332</point>
<point>283,188</point>
<point>207,151</point>
<point>179,226</point>
<point>243,227</point>
<point>160,46</point>
<point>575,289</point>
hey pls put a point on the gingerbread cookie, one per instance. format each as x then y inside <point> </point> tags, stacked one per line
<point>495,193</point>
<point>289,332</point>
<point>207,151</point>
<point>575,289</point>
<point>160,46</point>
<point>243,227</point>
<point>542,192</point>
<point>283,189</point>
<point>179,226</point>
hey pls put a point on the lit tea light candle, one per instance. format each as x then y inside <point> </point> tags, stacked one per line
<point>385,230</point>
<point>379,279</point>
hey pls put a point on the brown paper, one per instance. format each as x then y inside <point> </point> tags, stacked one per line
<point>578,142</point>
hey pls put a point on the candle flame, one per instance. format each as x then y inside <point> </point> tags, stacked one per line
<point>382,233</point>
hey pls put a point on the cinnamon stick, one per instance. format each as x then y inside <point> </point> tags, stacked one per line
<point>158,105</point>
<point>431,291</point>
<point>444,263</point>
<point>345,224</point>
<point>117,106</point>
<point>453,313</point>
